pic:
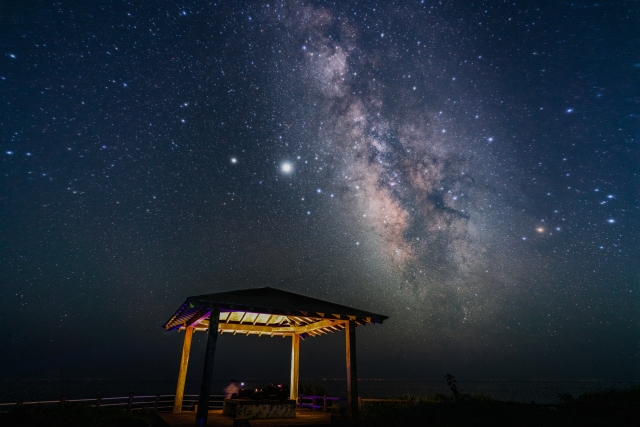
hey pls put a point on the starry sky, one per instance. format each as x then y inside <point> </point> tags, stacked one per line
<point>470,169</point>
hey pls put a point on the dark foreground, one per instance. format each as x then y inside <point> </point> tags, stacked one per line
<point>607,408</point>
<point>304,418</point>
<point>77,416</point>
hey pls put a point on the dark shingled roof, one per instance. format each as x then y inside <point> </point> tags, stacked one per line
<point>270,301</point>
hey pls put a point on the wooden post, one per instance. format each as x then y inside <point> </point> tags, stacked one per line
<point>182,373</point>
<point>130,403</point>
<point>324,403</point>
<point>157,401</point>
<point>62,400</point>
<point>98,401</point>
<point>207,374</point>
<point>352,371</point>
<point>295,366</point>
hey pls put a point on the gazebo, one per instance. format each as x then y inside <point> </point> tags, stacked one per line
<point>269,312</point>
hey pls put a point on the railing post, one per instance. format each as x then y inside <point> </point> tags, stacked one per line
<point>359,403</point>
<point>157,401</point>
<point>324,403</point>
<point>62,399</point>
<point>98,401</point>
<point>130,401</point>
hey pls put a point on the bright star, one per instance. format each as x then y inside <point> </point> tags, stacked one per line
<point>234,160</point>
<point>286,167</point>
<point>611,221</point>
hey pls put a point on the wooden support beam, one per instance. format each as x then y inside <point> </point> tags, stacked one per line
<point>244,328</point>
<point>195,320</point>
<point>295,367</point>
<point>280,330</point>
<point>297,319</point>
<point>207,374</point>
<point>313,326</point>
<point>352,372</point>
<point>182,372</point>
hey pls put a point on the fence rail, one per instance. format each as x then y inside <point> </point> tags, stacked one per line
<point>322,402</point>
<point>131,402</point>
<point>163,402</point>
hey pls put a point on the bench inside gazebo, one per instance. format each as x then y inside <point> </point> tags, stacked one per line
<point>269,312</point>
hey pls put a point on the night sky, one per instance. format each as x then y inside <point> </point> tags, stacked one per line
<point>469,169</point>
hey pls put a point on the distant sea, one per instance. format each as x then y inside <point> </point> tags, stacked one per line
<point>520,391</point>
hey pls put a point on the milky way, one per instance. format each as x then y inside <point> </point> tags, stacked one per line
<point>415,181</point>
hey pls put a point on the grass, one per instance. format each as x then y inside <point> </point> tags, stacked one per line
<point>605,408</point>
<point>76,416</point>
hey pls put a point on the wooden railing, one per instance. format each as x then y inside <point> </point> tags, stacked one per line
<point>331,403</point>
<point>158,402</point>
<point>164,402</point>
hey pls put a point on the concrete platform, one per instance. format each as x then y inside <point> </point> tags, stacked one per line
<point>304,417</point>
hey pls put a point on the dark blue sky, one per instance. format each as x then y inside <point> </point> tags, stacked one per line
<point>470,169</point>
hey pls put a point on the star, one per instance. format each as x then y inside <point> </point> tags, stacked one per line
<point>286,167</point>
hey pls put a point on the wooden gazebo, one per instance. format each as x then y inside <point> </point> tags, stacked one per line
<point>270,312</point>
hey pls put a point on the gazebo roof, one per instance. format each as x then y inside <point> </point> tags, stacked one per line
<point>268,311</point>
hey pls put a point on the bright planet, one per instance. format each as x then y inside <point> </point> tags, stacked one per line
<point>286,167</point>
